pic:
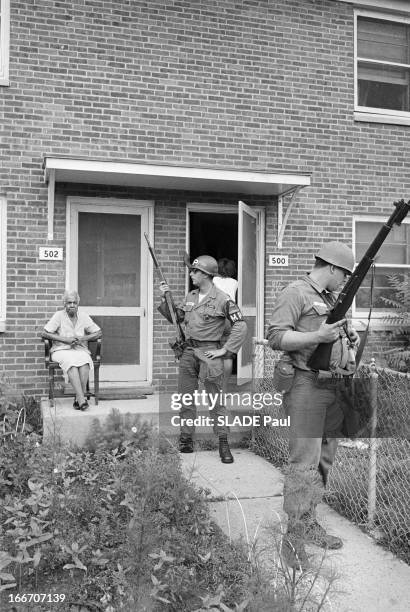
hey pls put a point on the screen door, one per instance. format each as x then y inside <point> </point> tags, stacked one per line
<point>111,271</point>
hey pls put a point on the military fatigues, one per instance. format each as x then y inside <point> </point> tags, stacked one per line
<point>204,327</point>
<point>312,403</point>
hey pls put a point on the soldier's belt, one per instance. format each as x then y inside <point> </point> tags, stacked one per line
<point>323,375</point>
<point>199,343</point>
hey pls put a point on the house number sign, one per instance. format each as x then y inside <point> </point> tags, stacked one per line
<point>50,253</point>
<point>278,260</point>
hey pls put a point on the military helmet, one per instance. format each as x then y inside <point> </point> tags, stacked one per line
<point>206,264</point>
<point>337,254</point>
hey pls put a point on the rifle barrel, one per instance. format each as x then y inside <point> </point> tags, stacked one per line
<point>320,358</point>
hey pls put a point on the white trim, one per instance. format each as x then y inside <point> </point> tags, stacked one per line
<point>117,206</point>
<point>4,42</point>
<point>3,263</point>
<point>381,118</point>
<point>211,207</point>
<point>50,205</point>
<point>245,370</point>
<point>372,114</point>
<point>172,177</point>
<point>396,6</point>
<point>361,316</point>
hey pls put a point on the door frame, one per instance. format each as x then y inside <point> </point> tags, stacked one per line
<point>111,206</point>
<point>234,209</point>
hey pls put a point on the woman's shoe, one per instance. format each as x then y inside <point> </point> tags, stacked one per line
<point>76,405</point>
<point>84,406</point>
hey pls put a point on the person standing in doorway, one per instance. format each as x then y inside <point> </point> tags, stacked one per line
<point>204,313</point>
<point>226,281</point>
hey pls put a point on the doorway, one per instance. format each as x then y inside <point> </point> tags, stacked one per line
<point>109,268</point>
<point>237,233</point>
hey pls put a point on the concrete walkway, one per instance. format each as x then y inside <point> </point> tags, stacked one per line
<point>246,501</point>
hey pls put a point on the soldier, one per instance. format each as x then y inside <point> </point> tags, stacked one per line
<point>204,313</point>
<point>297,327</point>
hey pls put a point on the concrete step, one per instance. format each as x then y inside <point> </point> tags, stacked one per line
<point>114,393</point>
<point>63,422</point>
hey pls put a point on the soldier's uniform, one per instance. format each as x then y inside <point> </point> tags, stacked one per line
<point>204,327</point>
<point>316,415</point>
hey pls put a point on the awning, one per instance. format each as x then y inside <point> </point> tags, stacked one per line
<point>161,176</point>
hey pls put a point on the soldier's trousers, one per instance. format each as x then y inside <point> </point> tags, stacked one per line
<point>194,368</point>
<point>315,422</point>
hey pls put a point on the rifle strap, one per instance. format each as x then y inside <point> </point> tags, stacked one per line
<point>366,332</point>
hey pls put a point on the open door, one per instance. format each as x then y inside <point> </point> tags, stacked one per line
<point>248,285</point>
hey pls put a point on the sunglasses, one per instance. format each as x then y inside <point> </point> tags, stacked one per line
<point>195,270</point>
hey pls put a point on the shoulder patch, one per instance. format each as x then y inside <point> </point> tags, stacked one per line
<point>233,313</point>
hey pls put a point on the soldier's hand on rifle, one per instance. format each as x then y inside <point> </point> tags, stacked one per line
<point>353,336</point>
<point>330,332</point>
<point>163,287</point>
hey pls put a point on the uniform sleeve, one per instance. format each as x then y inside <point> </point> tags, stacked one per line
<point>164,310</point>
<point>286,314</point>
<point>239,328</point>
<point>89,325</point>
<point>53,324</point>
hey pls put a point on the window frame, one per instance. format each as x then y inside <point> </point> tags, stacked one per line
<point>3,263</point>
<point>362,314</point>
<point>4,42</point>
<point>371,113</point>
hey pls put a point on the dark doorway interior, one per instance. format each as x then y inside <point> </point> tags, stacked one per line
<point>214,234</point>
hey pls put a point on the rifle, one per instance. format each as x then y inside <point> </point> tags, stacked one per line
<point>177,344</point>
<point>320,358</point>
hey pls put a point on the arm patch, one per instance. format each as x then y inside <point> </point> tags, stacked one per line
<point>232,312</point>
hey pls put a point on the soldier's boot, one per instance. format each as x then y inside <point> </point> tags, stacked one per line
<point>186,444</point>
<point>224,450</point>
<point>316,534</point>
<point>293,550</point>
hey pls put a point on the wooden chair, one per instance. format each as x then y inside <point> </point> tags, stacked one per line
<point>95,348</point>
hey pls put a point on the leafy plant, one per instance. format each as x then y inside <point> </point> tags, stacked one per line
<point>18,413</point>
<point>399,358</point>
<point>119,431</point>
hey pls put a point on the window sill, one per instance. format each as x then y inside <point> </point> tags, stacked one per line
<point>2,325</point>
<point>4,82</point>
<point>359,322</point>
<point>380,118</point>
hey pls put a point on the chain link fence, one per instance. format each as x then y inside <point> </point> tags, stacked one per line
<point>370,479</point>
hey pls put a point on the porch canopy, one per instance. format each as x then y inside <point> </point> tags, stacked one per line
<point>161,176</point>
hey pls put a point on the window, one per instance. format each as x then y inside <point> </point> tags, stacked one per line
<point>3,259</point>
<point>4,41</point>
<point>383,68</point>
<point>392,258</point>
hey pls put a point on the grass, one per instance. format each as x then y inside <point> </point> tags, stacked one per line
<point>118,527</point>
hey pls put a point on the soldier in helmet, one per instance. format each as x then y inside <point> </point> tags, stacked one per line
<point>204,312</point>
<point>310,398</point>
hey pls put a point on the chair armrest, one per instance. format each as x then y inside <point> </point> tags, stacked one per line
<point>96,353</point>
<point>47,347</point>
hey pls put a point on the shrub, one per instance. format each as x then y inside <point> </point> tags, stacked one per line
<point>119,431</point>
<point>18,413</point>
<point>124,530</point>
<point>399,358</point>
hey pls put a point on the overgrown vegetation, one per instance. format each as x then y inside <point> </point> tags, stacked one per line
<point>399,358</point>
<point>116,526</point>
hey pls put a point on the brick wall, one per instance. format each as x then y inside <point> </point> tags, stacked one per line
<point>244,85</point>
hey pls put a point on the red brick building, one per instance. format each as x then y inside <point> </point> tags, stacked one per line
<point>119,117</point>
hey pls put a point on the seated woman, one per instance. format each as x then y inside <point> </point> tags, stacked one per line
<point>70,331</point>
